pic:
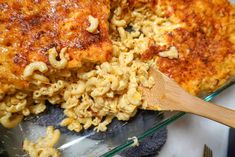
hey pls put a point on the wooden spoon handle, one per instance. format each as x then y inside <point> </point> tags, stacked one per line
<point>214,112</point>
<point>167,95</point>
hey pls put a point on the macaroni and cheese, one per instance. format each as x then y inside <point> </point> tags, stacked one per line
<point>92,61</point>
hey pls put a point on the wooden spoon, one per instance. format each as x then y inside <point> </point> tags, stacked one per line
<point>167,95</point>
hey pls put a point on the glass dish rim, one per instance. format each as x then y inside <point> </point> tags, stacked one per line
<point>162,124</point>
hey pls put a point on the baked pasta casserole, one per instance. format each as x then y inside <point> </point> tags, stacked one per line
<point>90,57</point>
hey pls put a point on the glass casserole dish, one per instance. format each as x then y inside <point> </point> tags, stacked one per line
<point>90,143</point>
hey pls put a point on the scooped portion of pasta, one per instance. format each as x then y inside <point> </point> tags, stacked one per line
<point>44,146</point>
<point>90,57</point>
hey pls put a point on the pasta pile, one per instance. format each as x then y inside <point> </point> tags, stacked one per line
<point>111,90</point>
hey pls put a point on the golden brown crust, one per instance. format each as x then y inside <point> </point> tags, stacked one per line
<point>203,43</point>
<point>29,28</point>
<point>205,40</point>
<point>138,3</point>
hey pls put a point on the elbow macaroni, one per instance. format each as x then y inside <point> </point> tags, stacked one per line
<point>29,69</point>
<point>41,78</point>
<point>135,141</point>
<point>109,91</point>
<point>172,53</point>
<point>44,147</point>
<point>62,63</point>
<point>94,23</point>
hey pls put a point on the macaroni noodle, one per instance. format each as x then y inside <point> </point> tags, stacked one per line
<point>29,69</point>
<point>11,121</point>
<point>62,63</point>
<point>94,23</point>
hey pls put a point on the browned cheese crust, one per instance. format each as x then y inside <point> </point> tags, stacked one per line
<point>29,28</point>
<point>205,43</point>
